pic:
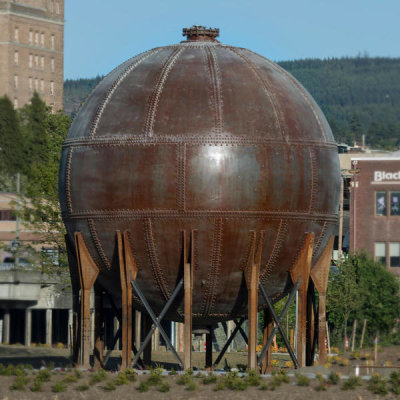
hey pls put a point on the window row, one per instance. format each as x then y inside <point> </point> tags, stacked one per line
<point>382,251</point>
<point>54,6</point>
<point>33,84</point>
<point>37,38</point>
<point>387,203</point>
<point>7,215</point>
<point>35,61</point>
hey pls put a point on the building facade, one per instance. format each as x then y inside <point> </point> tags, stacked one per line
<point>32,50</point>
<point>375,209</point>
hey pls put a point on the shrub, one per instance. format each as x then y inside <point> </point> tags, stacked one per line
<point>70,378</point>
<point>333,378</point>
<point>263,386</point>
<point>219,386</point>
<point>78,373</point>
<point>109,386</point>
<point>82,387</point>
<point>191,386</point>
<point>253,378</point>
<point>184,379</point>
<point>130,374</point>
<point>19,383</point>
<point>210,378</point>
<point>155,376</point>
<point>36,386</point>
<point>58,387</point>
<point>44,375</point>
<point>172,372</point>
<point>6,371</point>
<point>121,379</point>
<point>97,377</point>
<point>377,385</point>
<point>303,380</point>
<point>164,386</point>
<point>143,387</point>
<point>351,383</point>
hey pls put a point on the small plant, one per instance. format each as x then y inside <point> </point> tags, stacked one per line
<point>70,378</point>
<point>130,374</point>
<point>97,377</point>
<point>58,387</point>
<point>172,372</point>
<point>191,386</point>
<point>377,385</point>
<point>219,386</point>
<point>210,378</point>
<point>395,381</point>
<point>82,387</point>
<point>19,383</point>
<point>184,379</point>
<point>234,382</point>
<point>155,376</point>
<point>44,375</point>
<point>253,378</point>
<point>333,378</point>
<point>60,345</point>
<point>302,380</point>
<point>7,371</point>
<point>109,386</point>
<point>351,383</point>
<point>121,379</point>
<point>322,385</point>
<point>36,386</point>
<point>143,387</point>
<point>263,386</point>
<point>78,373</point>
<point>164,386</point>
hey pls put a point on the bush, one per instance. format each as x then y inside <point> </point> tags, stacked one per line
<point>82,387</point>
<point>253,378</point>
<point>333,378</point>
<point>44,375</point>
<point>155,376</point>
<point>70,378</point>
<point>210,378</point>
<point>164,386</point>
<point>36,386</point>
<point>302,380</point>
<point>377,385</point>
<point>130,374</point>
<point>19,383</point>
<point>109,386</point>
<point>351,383</point>
<point>143,387</point>
<point>98,376</point>
<point>191,386</point>
<point>58,387</point>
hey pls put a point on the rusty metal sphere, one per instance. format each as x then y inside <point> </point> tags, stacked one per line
<point>207,137</point>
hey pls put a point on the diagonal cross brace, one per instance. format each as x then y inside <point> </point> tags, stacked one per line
<point>237,329</point>
<point>157,320</point>
<point>278,324</point>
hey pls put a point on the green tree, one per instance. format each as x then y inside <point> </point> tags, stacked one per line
<point>343,296</point>
<point>40,206</point>
<point>12,144</point>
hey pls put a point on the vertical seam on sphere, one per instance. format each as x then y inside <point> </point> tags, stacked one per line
<point>155,96</point>
<point>320,238</point>
<point>267,89</point>
<point>68,181</point>
<point>214,269</point>
<point>97,244</point>
<point>180,184</point>
<point>110,92</point>
<point>243,263</point>
<point>314,181</point>
<point>303,93</point>
<point>155,265</point>
<point>216,94</point>
<point>282,230</point>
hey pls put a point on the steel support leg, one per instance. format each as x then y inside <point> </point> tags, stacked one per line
<point>237,329</point>
<point>278,324</point>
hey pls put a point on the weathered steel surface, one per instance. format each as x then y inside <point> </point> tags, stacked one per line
<point>206,137</point>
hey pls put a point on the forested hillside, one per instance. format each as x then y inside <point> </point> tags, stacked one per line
<point>358,95</point>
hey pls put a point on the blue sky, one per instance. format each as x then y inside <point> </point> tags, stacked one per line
<point>99,35</point>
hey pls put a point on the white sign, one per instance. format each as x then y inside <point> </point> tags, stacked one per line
<point>380,176</point>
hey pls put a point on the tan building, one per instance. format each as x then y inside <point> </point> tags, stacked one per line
<point>32,50</point>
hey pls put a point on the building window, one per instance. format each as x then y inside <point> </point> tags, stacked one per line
<point>380,202</point>
<point>36,84</point>
<point>37,61</point>
<point>380,252</point>
<point>42,39</point>
<point>30,84</point>
<point>7,215</point>
<point>52,6</point>
<point>16,34</point>
<point>51,87</point>
<point>16,57</point>
<point>37,38</point>
<point>395,203</point>
<point>30,60</point>
<point>42,85</point>
<point>52,65</point>
<point>30,36</point>
<point>15,102</point>
<point>57,8</point>
<point>42,62</point>
<point>15,81</point>
<point>394,254</point>
<point>52,41</point>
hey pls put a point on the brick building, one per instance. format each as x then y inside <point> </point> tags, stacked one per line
<point>375,209</point>
<point>32,50</point>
